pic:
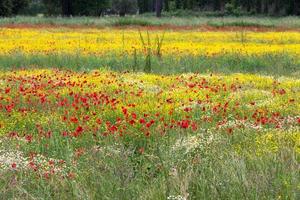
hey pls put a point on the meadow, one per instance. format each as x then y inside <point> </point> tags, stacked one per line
<point>170,51</point>
<point>149,112</point>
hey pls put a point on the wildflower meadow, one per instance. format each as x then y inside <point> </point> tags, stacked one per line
<point>155,112</point>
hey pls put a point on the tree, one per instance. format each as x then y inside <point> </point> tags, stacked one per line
<point>89,7</point>
<point>158,8</point>
<point>124,7</point>
<point>66,6</point>
<point>12,7</point>
<point>19,5</point>
<point>166,5</point>
<point>6,7</point>
<point>296,6</point>
<point>53,7</point>
<point>144,6</point>
<point>178,4</point>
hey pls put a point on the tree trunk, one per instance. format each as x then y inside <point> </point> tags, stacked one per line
<point>277,7</point>
<point>158,8</point>
<point>248,6</point>
<point>185,4</point>
<point>167,6</point>
<point>296,9</point>
<point>265,7</point>
<point>177,4</point>
<point>258,6</point>
<point>216,5</point>
<point>222,6</point>
<point>66,8</point>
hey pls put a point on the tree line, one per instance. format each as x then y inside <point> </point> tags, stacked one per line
<point>123,7</point>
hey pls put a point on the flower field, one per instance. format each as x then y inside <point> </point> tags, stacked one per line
<point>182,43</point>
<point>98,133</point>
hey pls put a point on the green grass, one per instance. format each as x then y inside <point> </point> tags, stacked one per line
<point>291,22</point>
<point>241,24</point>
<point>277,65</point>
<point>211,170</point>
<point>132,22</point>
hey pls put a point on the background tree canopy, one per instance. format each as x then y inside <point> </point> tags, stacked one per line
<point>123,7</point>
<point>12,7</point>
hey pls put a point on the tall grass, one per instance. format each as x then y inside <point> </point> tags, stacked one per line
<point>129,21</point>
<point>269,64</point>
<point>148,51</point>
<point>211,170</point>
<point>292,22</point>
<point>241,23</point>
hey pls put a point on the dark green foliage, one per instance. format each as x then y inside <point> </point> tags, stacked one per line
<point>53,7</point>
<point>123,7</point>
<point>6,7</point>
<point>237,7</point>
<point>12,7</point>
<point>145,6</point>
<point>34,7</point>
<point>18,5</point>
<point>77,7</point>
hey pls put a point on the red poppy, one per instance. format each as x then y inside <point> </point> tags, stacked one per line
<point>48,134</point>
<point>141,150</point>
<point>33,166</point>
<point>99,121</point>
<point>79,129</point>
<point>28,138</point>
<point>229,131</point>
<point>142,121</point>
<point>46,175</point>
<point>149,124</point>
<point>184,124</point>
<point>74,120</point>
<point>113,129</point>
<point>281,91</point>
<point>71,175</point>
<point>133,115</point>
<point>7,90</point>
<point>14,165</point>
<point>132,122</point>
<point>65,134</point>
<point>124,110</point>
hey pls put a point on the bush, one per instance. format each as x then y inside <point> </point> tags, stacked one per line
<point>238,11</point>
<point>229,9</point>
